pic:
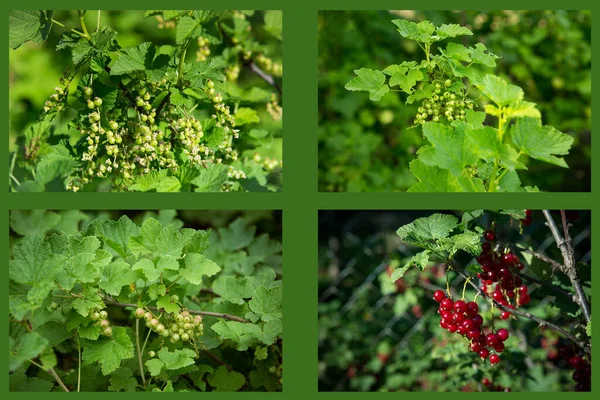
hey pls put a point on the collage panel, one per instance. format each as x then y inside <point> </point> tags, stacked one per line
<point>446,300</point>
<point>145,101</point>
<point>455,101</point>
<point>157,301</point>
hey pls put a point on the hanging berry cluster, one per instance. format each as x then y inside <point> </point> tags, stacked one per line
<point>176,327</point>
<point>501,267</point>
<point>463,318</point>
<point>101,319</point>
<point>582,373</point>
<point>448,102</point>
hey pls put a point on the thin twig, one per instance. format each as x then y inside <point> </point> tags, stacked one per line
<point>54,375</point>
<point>524,314</point>
<point>217,359</point>
<point>137,344</point>
<point>564,245</point>
<point>206,313</point>
<point>264,76</point>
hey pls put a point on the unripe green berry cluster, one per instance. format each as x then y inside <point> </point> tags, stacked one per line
<point>176,327</point>
<point>100,318</point>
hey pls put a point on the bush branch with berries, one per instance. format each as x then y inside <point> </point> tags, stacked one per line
<point>157,117</point>
<point>464,154</point>
<point>487,239</point>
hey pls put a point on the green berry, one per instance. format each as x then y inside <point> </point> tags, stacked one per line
<point>103,314</point>
<point>95,316</point>
<point>151,354</point>
<point>175,299</point>
<point>88,91</point>
<point>98,101</point>
<point>175,337</point>
<point>448,82</point>
<point>90,104</point>
<point>107,331</point>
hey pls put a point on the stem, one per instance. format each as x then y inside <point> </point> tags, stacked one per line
<point>82,23</point>
<point>79,364</point>
<point>98,23</point>
<point>207,313</point>
<point>182,63</point>
<point>584,346</point>
<point>465,287</point>
<point>174,282</point>
<point>569,269</point>
<point>54,375</point>
<point>146,341</point>
<point>264,76</point>
<point>137,344</point>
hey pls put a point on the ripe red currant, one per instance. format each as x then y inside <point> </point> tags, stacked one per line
<point>502,334</point>
<point>494,359</point>
<point>484,353</point>
<point>439,295</point>
<point>490,235</point>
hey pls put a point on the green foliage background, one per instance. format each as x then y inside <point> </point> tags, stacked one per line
<point>366,146</point>
<point>362,314</point>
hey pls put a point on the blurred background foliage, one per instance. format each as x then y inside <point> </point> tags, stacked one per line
<point>366,146</point>
<point>35,70</point>
<point>375,335</point>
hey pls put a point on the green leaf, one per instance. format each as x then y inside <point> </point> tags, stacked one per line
<point>406,80</point>
<point>267,303</point>
<point>233,289</point>
<point>134,59</point>
<point>467,241</point>
<point>187,28</point>
<point>109,352</point>
<point>540,142</point>
<point>499,91</point>
<point>116,275</point>
<point>156,180</point>
<point>26,25</point>
<point>274,23</point>
<point>588,329</point>
<point>479,55</point>
<point>420,260</point>
<point>116,234</point>
<point>165,302</point>
<point>261,353</point>
<point>33,222</point>
<point>371,81</point>
<point>199,72</point>
<point>522,109</point>
<point>35,265</point>
<point>196,266</point>
<point>237,235</point>
<point>224,380</point>
<point>27,347</point>
<point>421,230</point>
<point>451,148</point>
<point>58,163</point>
<point>122,379</point>
<point>170,360</point>
<point>457,51</point>
<point>19,382</point>
<point>245,115</point>
<point>160,241</point>
<point>407,29</point>
<point>452,30</point>
<point>211,178</point>
<point>432,179</point>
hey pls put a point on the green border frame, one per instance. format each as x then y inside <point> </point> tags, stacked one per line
<point>299,199</point>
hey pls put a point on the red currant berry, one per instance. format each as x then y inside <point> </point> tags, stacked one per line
<point>502,334</point>
<point>494,359</point>
<point>474,334</point>
<point>477,321</point>
<point>484,353</point>
<point>443,324</point>
<point>472,308</point>
<point>486,382</point>
<point>491,339</point>
<point>452,328</point>
<point>447,304</point>
<point>439,295</point>
<point>475,347</point>
<point>460,307</point>
<point>468,324</point>
<point>486,247</point>
<point>490,236</point>
<point>499,347</point>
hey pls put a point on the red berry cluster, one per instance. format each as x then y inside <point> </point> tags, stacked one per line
<point>527,220</point>
<point>494,388</point>
<point>583,368</point>
<point>464,318</point>
<point>502,269</point>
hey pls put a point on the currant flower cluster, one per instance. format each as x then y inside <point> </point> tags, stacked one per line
<point>464,318</point>
<point>268,65</point>
<point>100,317</point>
<point>274,109</point>
<point>443,105</point>
<point>502,268</point>
<point>203,49</point>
